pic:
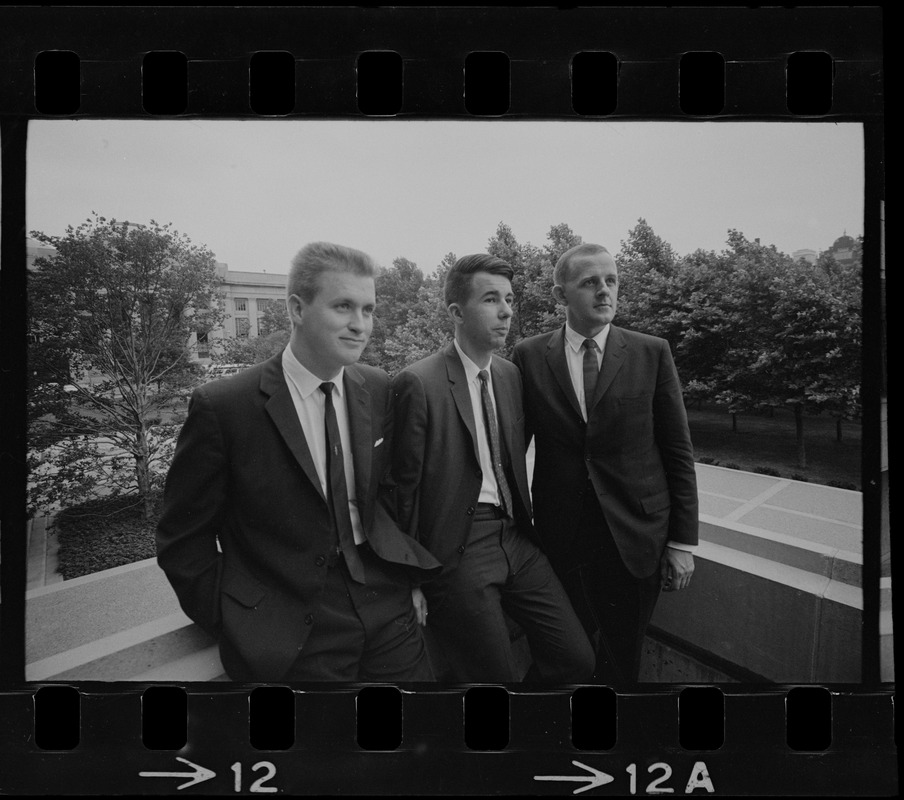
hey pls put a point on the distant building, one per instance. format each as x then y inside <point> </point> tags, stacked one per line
<point>843,249</point>
<point>806,254</point>
<point>246,296</point>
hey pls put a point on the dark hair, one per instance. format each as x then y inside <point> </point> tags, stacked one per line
<point>318,257</point>
<point>560,273</point>
<point>457,288</point>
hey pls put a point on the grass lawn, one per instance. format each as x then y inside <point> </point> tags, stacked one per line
<point>771,442</point>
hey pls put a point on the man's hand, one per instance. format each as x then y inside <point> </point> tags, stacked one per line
<point>420,606</point>
<point>676,568</point>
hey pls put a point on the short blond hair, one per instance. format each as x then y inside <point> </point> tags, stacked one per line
<point>316,258</point>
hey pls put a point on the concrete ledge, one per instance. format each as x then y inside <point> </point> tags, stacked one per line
<point>120,624</point>
<point>777,594</point>
<point>784,623</point>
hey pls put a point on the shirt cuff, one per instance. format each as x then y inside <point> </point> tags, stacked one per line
<point>682,546</point>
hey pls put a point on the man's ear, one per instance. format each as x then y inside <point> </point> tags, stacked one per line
<point>558,294</point>
<point>454,311</point>
<point>296,309</point>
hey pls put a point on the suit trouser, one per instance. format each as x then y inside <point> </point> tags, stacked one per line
<point>500,571</point>
<point>364,632</point>
<point>614,605</point>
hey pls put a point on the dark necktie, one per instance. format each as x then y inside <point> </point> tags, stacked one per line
<point>591,373</point>
<point>489,416</point>
<point>337,492</point>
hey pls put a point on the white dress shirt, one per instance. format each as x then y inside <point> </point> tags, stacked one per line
<point>574,355</point>
<point>310,405</point>
<point>489,489</point>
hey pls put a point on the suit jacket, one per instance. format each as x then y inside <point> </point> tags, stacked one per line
<point>635,448</point>
<point>435,465</point>
<point>245,527</point>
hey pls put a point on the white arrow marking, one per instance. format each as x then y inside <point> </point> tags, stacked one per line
<point>596,778</point>
<point>199,775</point>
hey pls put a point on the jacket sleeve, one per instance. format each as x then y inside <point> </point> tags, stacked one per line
<point>517,360</point>
<point>194,505</point>
<point>409,447</point>
<point>674,441</point>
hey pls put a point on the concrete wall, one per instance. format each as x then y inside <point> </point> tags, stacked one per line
<point>788,613</point>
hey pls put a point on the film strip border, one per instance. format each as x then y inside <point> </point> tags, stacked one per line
<point>814,64</point>
<point>477,740</point>
<point>729,63</point>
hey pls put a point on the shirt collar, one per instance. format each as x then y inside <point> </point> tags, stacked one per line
<point>306,381</point>
<point>471,369</point>
<point>576,341</point>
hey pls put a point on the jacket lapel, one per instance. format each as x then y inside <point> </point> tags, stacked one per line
<point>555,357</point>
<point>358,404</point>
<point>282,411</point>
<point>505,410</point>
<point>460,393</point>
<point>613,359</point>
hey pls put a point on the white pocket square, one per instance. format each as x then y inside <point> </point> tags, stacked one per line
<point>378,442</point>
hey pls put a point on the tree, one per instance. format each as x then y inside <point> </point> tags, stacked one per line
<point>536,311</point>
<point>397,291</point>
<point>250,349</point>
<point>645,263</point>
<point>427,326</point>
<point>110,317</point>
<point>275,329</point>
<point>793,337</point>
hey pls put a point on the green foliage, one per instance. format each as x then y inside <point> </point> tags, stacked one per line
<point>88,468</point>
<point>535,309</point>
<point>426,327</point>
<point>398,289</point>
<point>111,315</point>
<point>250,349</point>
<point>105,533</point>
<point>771,471</point>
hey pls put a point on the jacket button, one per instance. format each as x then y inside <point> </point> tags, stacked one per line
<point>470,510</point>
<point>319,561</point>
<point>461,548</point>
<point>587,458</point>
<point>309,619</point>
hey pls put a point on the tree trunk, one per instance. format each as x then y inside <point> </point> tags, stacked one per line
<point>838,429</point>
<point>143,472</point>
<point>799,425</point>
<point>734,422</point>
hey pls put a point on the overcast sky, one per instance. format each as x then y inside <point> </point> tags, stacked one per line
<point>254,192</point>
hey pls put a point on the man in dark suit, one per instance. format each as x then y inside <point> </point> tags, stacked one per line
<point>614,486</point>
<point>461,477</point>
<point>275,532</point>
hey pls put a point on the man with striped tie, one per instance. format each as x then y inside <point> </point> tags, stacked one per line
<point>277,531</point>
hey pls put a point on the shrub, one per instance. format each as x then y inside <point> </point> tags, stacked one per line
<point>731,465</point>
<point>842,485</point>
<point>104,533</point>
<point>802,478</point>
<point>706,460</point>
<point>767,471</point>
